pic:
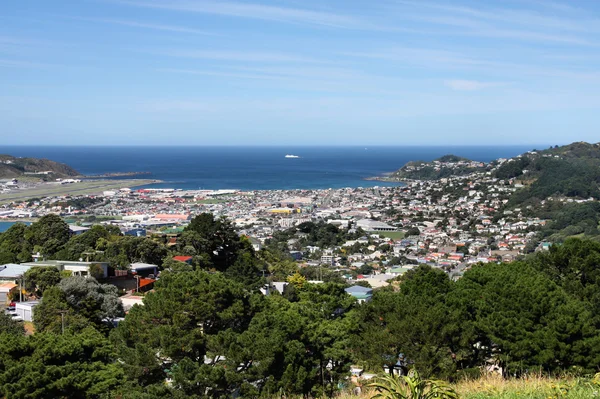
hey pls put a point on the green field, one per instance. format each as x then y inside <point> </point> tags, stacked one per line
<point>394,235</point>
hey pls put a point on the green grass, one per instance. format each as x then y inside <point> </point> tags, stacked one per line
<point>494,387</point>
<point>394,235</point>
<point>533,387</point>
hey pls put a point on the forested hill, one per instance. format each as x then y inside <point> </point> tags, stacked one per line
<point>446,166</point>
<point>571,171</point>
<point>13,167</point>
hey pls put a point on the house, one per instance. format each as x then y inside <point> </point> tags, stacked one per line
<point>327,259</point>
<point>76,268</point>
<point>136,232</point>
<point>5,292</point>
<point>130,300</point>
<point>143,269</point>
<point>25,310</point>
<point>12,272</point>
<point>184,259</point>
<point>77,230</point>
<point>362,294</point>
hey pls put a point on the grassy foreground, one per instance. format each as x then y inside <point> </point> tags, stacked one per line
<point>533,387</point>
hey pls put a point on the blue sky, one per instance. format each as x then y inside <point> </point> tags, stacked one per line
<point>211,72</point>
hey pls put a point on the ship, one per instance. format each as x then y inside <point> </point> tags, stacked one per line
<point>292,156</point>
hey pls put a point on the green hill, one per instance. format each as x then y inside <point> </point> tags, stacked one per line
<point>14,167</point>
<point>445,166</point>
<point>571,171</point>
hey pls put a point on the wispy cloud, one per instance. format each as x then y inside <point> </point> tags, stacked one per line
<point>239,56</point>
<point>469,85</point>
<point>507,23</point>
<point>225,74</point>
<point>7,63</point>
<point>146,25</point>
<point>254,11</point>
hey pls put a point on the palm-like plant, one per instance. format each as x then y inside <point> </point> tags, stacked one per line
<point>411,387</point>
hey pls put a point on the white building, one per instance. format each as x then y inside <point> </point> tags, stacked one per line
<point>25,310</point>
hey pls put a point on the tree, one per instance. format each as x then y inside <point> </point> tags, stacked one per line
<point>96,271</point>
<point>48,365</point>
<point>10,326</point>
<point>297,280</point>
<point>187,329</point>
<point>415,321</point>
<point>525,320</point>
<point>39,279</point>
<point>48,235</point>
<point>282,269</point>
<point>215,237</point>
<point>299,348</point>
<point>413,231</point>
<point>13,245</point>
<point>53,314</point>
<point>125,250</point>
<point>246,270</point>
<point>92,300</point>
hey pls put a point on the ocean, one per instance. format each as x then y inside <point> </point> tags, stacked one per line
<point>255,168</point>
<point>6,225</point>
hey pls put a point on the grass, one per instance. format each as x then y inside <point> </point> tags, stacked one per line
<point>394,235</point>
<point>29,328</point>
<point>533,387</point>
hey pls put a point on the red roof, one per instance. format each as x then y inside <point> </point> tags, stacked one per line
<point>182,258</point>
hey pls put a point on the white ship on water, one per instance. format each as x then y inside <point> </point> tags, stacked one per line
<point>292,156</point>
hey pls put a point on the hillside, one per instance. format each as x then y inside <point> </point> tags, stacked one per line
<point>13,167</point>
<point>445,166</point>
<point>571,171</point>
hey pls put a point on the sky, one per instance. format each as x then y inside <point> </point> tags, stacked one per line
<point>291,72</point>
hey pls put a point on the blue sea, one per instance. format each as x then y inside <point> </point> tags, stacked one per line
<point>255,168</point>
<point>6,225</point>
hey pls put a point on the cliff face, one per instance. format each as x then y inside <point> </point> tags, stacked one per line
<point>13,167</point>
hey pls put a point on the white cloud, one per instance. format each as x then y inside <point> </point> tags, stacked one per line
<point>254,11</point>
<point>469,85</point>
<point>241,56</point>
<point>146,25</point>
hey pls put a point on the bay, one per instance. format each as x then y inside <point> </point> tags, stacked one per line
<point>255,167</point>
<point>6,225</point>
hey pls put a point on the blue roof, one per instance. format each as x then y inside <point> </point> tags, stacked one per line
<point>12,270</point>
<point>357,289</point>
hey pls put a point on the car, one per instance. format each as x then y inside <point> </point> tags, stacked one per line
<point>10,308</point>
<point>17,318</point>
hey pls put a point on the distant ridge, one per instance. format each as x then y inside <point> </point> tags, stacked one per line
<point>14,167</point>
<point>571,171</point>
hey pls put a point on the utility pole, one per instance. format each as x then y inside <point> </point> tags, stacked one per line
<point>62,319</point>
